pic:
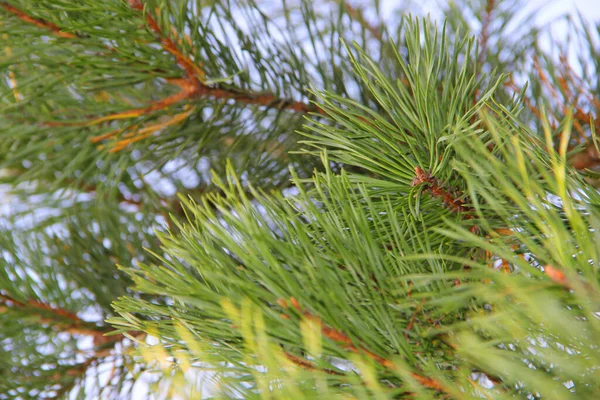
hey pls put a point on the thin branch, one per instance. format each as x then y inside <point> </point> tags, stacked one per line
<point>103,345</point>
<point>559,277</point>
<point>484,36</point>
<point>41,306</point>
<point>436,189</point>
<point>413,318</point>
<point>340,337</point>
<point>37,21</point>
<point>556,275</point>
<point>148,131</point>
<point>268,100</point>
<point>194,86</point>
<point>191,69</point>
<point>186,91</point>
<point>307,365</point>
<point>55,317</point>
<point>191,86</point>
<point>357,15</point>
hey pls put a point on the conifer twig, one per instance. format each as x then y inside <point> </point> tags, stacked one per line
<point>185,92</point>
<point>436,189</point>
<point>194,86</point>
<point>340,337</point>
<point>57,30</point>
<point>190,67</point>
<point>41,306</point>
<point>103,345</point>
<point>307,365</point>
<point>413,318</point>
<point>484,35</point>
<point>556,275</point>
<point>42,310</point>
<point>357,15</point>
<point>191,86</point>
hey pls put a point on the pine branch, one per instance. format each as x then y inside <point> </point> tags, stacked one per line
<point>55,317</point>
<point>307,365</point>
<point>484,35</point>
<point>436,189</point>
<point>340,337</point>
<point>370,273</point>
<point>566,92</point>
<point>191,87</point>
<point>104,346</point>
<point>357,15</point>
<point>55,29</point>
<point>191,68</point>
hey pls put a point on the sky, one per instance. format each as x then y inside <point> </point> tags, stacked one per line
<point>589,8</point>
<point>549,9</point>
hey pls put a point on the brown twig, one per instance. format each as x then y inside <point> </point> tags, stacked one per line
<point>185,93</point>
<point>57,318</point>
<point>192,70</point>
<point>485,30</point>
<point>357,15</point>
<point>307,365</point>
<point>340,337</point>
<point>571,88</point>
<point>261,99</point>
<point>103,345</point>
<point>40,306</point>
<point>38,21</point>
<point>436,189</point>
<point>413,318</point>
<point>192,86</point>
